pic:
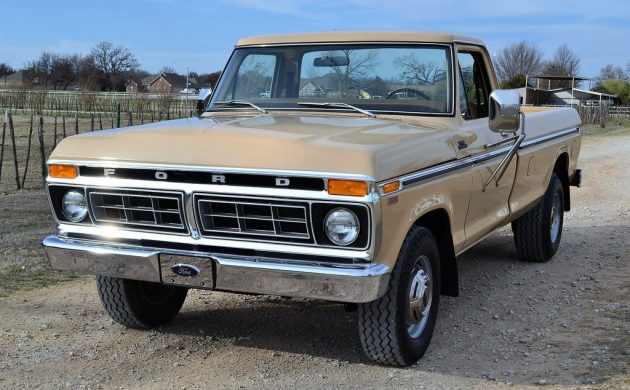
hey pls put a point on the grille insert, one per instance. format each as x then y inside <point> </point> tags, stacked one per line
<point>267,219</point>
<point>144,210</point>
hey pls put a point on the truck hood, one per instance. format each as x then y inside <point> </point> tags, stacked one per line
<point>380,148</point>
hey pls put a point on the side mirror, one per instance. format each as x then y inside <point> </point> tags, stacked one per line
<point>505,108</point>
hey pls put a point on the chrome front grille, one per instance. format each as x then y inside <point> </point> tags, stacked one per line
<point>253,218</point>
<point>160,211</point>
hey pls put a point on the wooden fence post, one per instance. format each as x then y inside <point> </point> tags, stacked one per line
<point>15,160</point>
<point>55,133</point>
<point>42,147</point>
<point>63,126</point>
<point>4,131</point>
<point>76,123</point>
<point>92,122</point>
<point>100,122</point>
<point>112,118</point>
<point>28,152</point>
<point>129,119</point>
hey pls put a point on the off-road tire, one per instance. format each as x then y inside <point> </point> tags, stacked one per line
<point>532,232</point>
<point>383,322</point>
<point>137,304</point>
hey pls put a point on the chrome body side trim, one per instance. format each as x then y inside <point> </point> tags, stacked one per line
<point>549,137</point>
<point>450,166</point>
<point>347,283</point>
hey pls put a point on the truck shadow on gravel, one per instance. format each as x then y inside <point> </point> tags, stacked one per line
<point>514,321</point>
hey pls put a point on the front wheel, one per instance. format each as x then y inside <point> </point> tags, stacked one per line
<point>396,329</point>
<point>537,234</point>
<point>137,304</point>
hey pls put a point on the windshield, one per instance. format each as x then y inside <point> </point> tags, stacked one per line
<point>379,78</point>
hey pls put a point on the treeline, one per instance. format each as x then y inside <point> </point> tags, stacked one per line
<point>107,67</point>
<point>524,60</point>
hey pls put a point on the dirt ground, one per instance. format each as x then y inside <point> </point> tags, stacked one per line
<point>561,324</point>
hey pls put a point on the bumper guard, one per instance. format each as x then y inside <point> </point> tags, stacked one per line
<point>342,283</point>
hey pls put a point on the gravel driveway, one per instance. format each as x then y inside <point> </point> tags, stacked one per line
<point>562,324</point>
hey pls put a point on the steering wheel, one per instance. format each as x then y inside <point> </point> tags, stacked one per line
<point>408,90</point>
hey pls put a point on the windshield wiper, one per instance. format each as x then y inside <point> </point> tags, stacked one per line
<point>339,105</point>
<point>242,103</point>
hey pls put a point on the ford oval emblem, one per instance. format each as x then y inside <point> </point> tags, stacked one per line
<point>185,270</point>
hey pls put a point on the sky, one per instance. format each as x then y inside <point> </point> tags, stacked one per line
<point>199,35</point>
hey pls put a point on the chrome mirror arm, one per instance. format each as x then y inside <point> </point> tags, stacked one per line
<point>498,173</point>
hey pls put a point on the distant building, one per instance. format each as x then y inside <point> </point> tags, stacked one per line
<point>168,83</point>
<point>565,97</point>
<point>309,88</point>
<point>137,85</point>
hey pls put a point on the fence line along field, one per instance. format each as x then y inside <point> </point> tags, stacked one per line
<point>28,140</point>
<point>44,102</point>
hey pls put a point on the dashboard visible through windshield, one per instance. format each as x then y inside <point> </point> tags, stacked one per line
<point>378,78</point>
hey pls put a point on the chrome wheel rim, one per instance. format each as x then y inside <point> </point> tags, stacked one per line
<point>556,206</point>
<point>420,296</point>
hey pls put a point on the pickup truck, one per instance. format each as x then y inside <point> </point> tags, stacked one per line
<point>347,166</point>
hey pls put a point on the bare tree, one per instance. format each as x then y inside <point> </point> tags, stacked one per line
<point>519,58</point>
<point>358,67</point>
<point>39,71</point>
<point>112,61</point>
<point>611,72</point>
<point>5,70</point>
<point>211,78</point>
<point>167,69</point>
<point>564,63</point>
<point>416,71</point>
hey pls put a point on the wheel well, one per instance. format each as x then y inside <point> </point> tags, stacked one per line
<point>561,168</point>
<point>437,221</point>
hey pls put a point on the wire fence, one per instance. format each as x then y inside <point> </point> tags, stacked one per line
<point>28,140</point>
<point>44,102</point>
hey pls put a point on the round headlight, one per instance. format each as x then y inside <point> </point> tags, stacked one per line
<point>74,206</point>
<point>341,226</point>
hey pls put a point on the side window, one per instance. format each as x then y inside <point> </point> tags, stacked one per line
<point>255,77</point>
<point>475,81</point>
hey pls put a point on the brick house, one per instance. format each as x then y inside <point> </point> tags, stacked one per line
<point>169,83</point>
<point>135,85</point>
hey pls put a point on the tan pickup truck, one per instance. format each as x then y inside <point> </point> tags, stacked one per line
<point>351,167</point>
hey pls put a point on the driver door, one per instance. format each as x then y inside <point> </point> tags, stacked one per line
<point>488,206</point>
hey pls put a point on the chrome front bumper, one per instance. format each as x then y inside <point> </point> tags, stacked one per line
<point>342,283</point>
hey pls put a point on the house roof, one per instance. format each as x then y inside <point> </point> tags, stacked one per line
<point>576,78</point>
<point>148,79</point>
<point>174,79</point>
<point>359,36</point>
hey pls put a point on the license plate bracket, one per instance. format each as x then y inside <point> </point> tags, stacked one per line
<point>189,271</point>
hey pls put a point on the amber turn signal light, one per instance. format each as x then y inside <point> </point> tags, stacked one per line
<point>347,187</point>
<point>391,187</point>
<point>63,171</point>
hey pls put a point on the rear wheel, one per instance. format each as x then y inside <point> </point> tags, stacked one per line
<point>396,329</point>
<point>139,304</point>
<point>537,234</point>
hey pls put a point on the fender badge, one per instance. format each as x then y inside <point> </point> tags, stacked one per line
<point>185,270</point>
